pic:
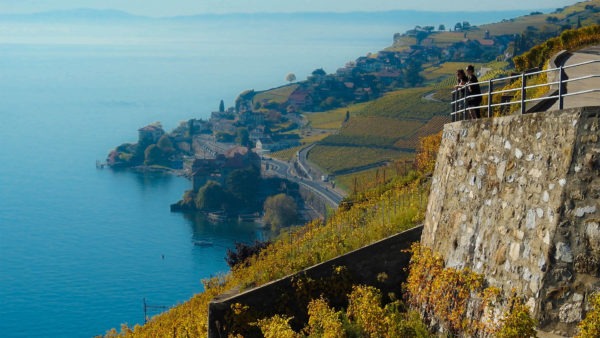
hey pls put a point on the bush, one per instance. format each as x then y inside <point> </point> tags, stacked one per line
<point>590,326</point>
<point>517,322</point>
<point>211,197</point>
<point>570,40</point>
<point>446,293</point>
<point>364,307</point>
<point>280,210</point>
<point>153,155</point>
<point>323,320</point>
<point>277,327</point>
<point>243,251</point>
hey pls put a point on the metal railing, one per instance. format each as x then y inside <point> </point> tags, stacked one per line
<point>460,100</point>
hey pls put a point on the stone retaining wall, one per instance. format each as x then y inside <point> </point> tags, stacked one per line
<point>364,265</point>
<point>517,199</point>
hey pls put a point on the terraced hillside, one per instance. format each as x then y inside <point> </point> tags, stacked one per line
<point>382,130</point>
<point>583,13</point>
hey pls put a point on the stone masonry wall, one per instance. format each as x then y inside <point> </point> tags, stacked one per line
<point>364,265</point>
<point>516,198</point>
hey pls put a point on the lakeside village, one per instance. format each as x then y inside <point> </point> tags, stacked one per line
<point>224,156</point>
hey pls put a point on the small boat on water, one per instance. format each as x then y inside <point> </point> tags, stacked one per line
<point>203,243</point>
<point>218,216</point>
<point>253,217</point>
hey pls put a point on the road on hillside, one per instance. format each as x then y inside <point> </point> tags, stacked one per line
<point>283,169</point>
<point>312,172</point>
<point>582,100</point>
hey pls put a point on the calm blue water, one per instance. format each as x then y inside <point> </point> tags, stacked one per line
<point>80,247</point>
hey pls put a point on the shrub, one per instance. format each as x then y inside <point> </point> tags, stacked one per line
<point>243,251</point>
<point>323,320</point>
<point>427,152</point>
<point>590,326</point>
<point>277,327</point>
<point>364,307</point>
<point>517,322</point>
<point>447,293</point>
<point>570,40</point>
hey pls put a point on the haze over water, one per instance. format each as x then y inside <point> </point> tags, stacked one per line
<point>80,247</point>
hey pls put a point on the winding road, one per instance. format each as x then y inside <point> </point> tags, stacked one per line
<point>283,169</point>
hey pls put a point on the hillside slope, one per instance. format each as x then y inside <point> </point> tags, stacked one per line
<point>370,215</point>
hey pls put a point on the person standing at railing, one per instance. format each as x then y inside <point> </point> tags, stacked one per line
<point>459,93</point>
<point>473,93</point>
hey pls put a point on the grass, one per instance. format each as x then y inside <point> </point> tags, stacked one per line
<point>310,137</point>
<point>506,27</point>
<point>376,130</point>
<point>286,154</point>
<point>402,44</point>
<point>373,131</point>
<point>445,69</point>
<point>400,204</point>
<point>307,138</point>
<point>278,95</point>
<point>406,103</point>
<point>370,178</point>
<point>336,158</point>
<point>431,127</point>
<point>382,126</point>
<point>332,119</point>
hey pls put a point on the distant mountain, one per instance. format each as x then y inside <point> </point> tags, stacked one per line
<point>400,16</point>
<point>423,17</point>
<point>81,14</point>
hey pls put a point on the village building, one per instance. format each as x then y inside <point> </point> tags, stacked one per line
<point>218,169</point>
<point>150,133</point>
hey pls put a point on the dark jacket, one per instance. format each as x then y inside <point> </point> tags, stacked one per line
<point>473,89</point>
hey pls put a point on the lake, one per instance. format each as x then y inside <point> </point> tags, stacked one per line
<point>80,248</point>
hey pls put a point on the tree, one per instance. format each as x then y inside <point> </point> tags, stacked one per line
<point>280,210</point>
<point>242,137</point>
<point>458,27</point>
<point>243,184</point>
<point>412,74</point>
<point>441,28</point>
<point>211,197</point>
<point>222,106</point>
<point>291,77</point>
<point>165,144</point>
<point>153,155</point>
<point>319,72</point>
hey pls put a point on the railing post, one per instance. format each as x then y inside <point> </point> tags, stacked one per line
<point>523,92</point>
<point>454,106</point>
<point>560,88</point>
<point>490,89</point>
<point>464,102</point>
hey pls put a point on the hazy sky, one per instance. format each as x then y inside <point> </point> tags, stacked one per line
<point>190,7</point>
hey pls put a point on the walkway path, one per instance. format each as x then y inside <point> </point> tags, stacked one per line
<point>582,100</point>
